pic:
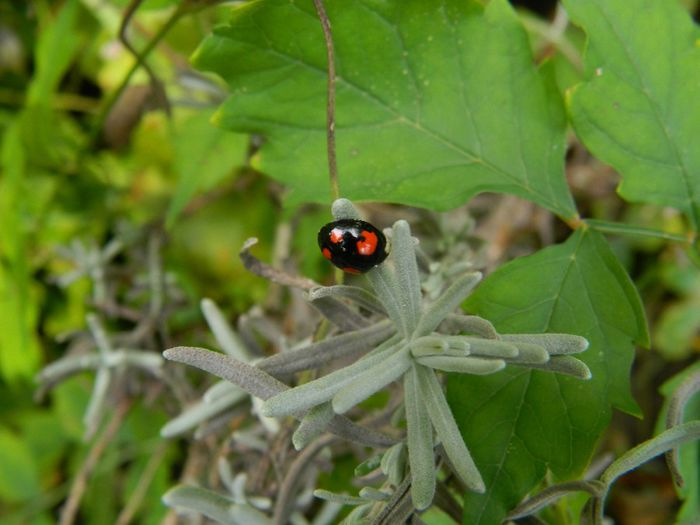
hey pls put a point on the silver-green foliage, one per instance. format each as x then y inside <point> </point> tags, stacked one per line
<point>419,340</point>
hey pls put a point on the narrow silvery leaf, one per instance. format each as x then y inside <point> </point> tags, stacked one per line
<point>674,416</point>
<point>529,353</point>
<point>328,513</point>
<point>462,365</point>
<point>224,334</point>
<point>320,390</point>
<point>446,429</point>
<point>470,324</point>
<point>491,348</point>
<point>393,463</point>
<point>563,364</point>
<point>403,254</point>
<point>345,499</point>
<point>458,343</point>
<point>135,358</point>
<point>312,425</point>
<point>201,412</point>
<point>436,342</point>
<point>552,494</point>
<point>384,283</point>
<point>339,313</point>
<point>95,408</point>
<point>214,506</point>
<point>420,442</point>
<point>357,516</point>
<point>554,344</point>
<point>344,209</point>
<point>359,296</point>
<point>425,351</point>
<point>372,380</point>
<point>270,423</point>
<point>447,302</point>
<point>259,384</point>
<point>374,494</point>
<point>217,390</point>
<point>249,378</point>
<point>651,448</point>
<point>98,334</point>
<point>68,366</point>
<point>318,354</point>
<point>370,464</point>
<point>346,429</point>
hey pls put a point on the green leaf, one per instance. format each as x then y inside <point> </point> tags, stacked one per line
<point>55,50</point>
<point>19,472</point>
<point>519,422</point>
<point>448,97</point>
<point>204,156</point>
<point>638,109</point>
<point>19,350</point>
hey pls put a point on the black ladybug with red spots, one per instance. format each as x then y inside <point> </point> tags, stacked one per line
<point>352,245</point>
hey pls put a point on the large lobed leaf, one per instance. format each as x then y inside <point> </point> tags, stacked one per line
<point>436,101</point>
<point>518,423</point>
<point>638,108</point>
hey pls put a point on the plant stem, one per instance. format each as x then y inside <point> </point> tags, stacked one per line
<point>139,60</point>
<point>619,228</point>
<point>330,108</point>
<point>70,509</point>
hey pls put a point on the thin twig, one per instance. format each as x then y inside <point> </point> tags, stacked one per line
<point>140,61</point>
<point>330,108</point>
<point>289,487</point>
<point>180,10</point>
<point>139,493</point>
<point>70,509</point>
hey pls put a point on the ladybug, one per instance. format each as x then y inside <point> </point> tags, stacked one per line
<point>352,245</point>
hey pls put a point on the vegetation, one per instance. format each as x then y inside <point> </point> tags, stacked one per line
<point>527,352</point>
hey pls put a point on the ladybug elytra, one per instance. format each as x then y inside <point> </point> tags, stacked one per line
<point>352,245</point>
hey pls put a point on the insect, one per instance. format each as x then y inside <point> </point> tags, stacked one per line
<point>352,245</point>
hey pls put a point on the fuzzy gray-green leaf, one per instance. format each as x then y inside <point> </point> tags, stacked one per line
<point>554,344</point>
<point>214,506</point>
<point>202,411</point>
<point>358,295</point>
<point>312,425</point>
<point>403,254</point>
<point>651,448</point>
<point>318,354</point>
<point>228,340</point>
<point>462,365</point>
<point>320,390</point>
<point>471,324</point>
<point>447,302</point>
<point>530,354</point>
<point>564,364</point>
<point>338,498</point>
<point>491,348</point>
<point>551,495</point>
<point>420,442</point>
<point>344,209</point>
<point>372,380</point>
<point>385,285</point>
<point>447,430</point>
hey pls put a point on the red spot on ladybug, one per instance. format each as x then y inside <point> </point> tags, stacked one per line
<point>352,245</point>
<point>367,243</point>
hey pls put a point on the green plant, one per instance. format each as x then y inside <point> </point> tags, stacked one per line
<point>411,348</point>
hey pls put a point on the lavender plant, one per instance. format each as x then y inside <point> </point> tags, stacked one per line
<point>417,340</point>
